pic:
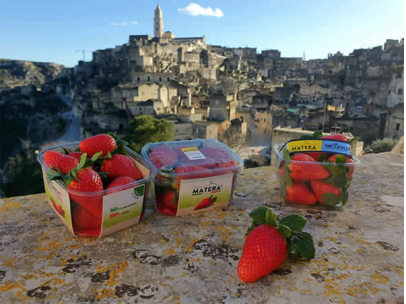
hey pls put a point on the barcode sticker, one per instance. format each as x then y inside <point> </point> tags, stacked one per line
<point>193,153</point>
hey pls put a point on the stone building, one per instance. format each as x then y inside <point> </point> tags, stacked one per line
<point>158,23</point>
<point>395,124</point>
<point>222,107</point>
<point>396,92</point>
<point>263,120</point>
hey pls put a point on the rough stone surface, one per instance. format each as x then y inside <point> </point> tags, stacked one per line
<point>193,259</point>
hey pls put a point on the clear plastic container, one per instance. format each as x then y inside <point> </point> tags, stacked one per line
<point>193,176</point>
<point>319,180</point>
<point>96,214</point>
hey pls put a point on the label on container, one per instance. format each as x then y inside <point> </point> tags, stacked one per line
<point>58,198</point>
<point>193,153</point>
<point>204,194</point>
<point>318,145</point>
<point>122,209</point>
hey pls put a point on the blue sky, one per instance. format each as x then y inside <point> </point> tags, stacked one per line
<point>46,30</point>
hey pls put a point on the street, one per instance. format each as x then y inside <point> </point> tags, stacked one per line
<point>73,124</point>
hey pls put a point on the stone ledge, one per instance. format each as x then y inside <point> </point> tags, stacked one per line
<point>359,251</point>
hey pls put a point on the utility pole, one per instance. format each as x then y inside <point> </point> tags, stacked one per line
<point>83,52</point>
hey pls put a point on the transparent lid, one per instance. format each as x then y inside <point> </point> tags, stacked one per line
<point>189,157</point>
<point>146,169</point>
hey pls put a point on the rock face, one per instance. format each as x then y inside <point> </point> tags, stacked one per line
<point>21,73</point>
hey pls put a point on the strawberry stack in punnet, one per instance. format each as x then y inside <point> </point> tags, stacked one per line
<point>316,169</point>
<point>193,176</point>
<point>99,163</point>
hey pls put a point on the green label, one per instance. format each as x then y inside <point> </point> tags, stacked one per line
<point>58,198</point>
<point>204,194</point>
<point>122,209</point>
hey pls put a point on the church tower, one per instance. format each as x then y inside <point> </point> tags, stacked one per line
<point>158,23</point>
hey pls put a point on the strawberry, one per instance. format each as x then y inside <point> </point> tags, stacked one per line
<point>88,181</point>
<point>315,155</point>
<point>207,202</point>
<point>320,188</point>
<point>301,171</point>
<point>338,137</point>
<point>120,165</point>
<point>76,155</point>
<point>169,199</point>
<point>190,172</point>
<point>270,243</point>
<point>85,223</point>
<point>298,193</point>
<point>66,163</point>
<point>347,160</point>
<point>120,181</point>
<point>163,156</point>
<point>100,143</point>
<point>50,158</point>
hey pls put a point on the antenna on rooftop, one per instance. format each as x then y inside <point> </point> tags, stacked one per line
<point>83,52</point>
<point>304,56</point>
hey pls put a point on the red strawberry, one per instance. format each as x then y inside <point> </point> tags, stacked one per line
<point>66,163</point>
<point>347,160</point>
<point>99,143</point>
<point>120,165</point>
<point>319,188</point>
<point>298,193</point>
<point>303,172</point>
<point>338,137</point>
<point>50,158</point>
<point>190,172</point>
<point>315,155</point>
<point>264,251</point>
<point>207,202</point>
<point>85,223</point>
<point>120,181</point>
<point>89,181</point>
<point>267,244</point>
<point>76,155</point>
<point>169,199</point>
<point>162,156</point>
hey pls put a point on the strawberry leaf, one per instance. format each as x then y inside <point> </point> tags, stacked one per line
<point>53,175</point>
<point>294,221</point>
<point>317,134</point>
<point>344,199</point>
<point>353,140</point>
<point>66,151</point>
<point>283,190</point>
<point>77,149</point>
<point>286,154</point>
<point>113,134</point>
<point>82,160</point>
<point>340,159</point>
<point>301,246</point>
<point>121,142</point>
<point>96,156</point>
<point>103,174</point>
<point>284,230</point>
<point>258,215</point>
<point>270,218</point>
<point>330,199</point>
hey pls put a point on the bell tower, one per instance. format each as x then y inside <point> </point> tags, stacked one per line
<point>158,23</point>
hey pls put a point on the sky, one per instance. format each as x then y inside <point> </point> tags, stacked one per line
<point>55,31</point>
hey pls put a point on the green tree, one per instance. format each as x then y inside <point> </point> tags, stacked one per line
<point>146,129</point>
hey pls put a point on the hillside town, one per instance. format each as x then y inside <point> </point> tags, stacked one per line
<point>242,97</point>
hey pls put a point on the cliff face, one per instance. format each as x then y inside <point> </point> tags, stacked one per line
<point>15,73</point>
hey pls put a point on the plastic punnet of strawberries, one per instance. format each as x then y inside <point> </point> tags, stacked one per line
<point>99,163</point>
<point>310,178</point>
<point>269,243</point>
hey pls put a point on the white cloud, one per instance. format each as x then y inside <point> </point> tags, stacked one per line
<point>194,9</point>
<point>125,23</point>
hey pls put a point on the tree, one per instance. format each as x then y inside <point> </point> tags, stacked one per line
<point>146,129</point>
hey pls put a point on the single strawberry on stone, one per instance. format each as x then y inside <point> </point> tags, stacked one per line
<point>50,158</point>
<point>100,143</point>
<point>270,243</point>
<point>305,168</point>
<point>120,165</point>
<point>298,193</point>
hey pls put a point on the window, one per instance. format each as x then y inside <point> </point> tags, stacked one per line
<point>397,127</point>
<point>160,79</point>
<point>138,78</point>
<point>400,91</point>
<point>158,109</point>
<point>149,78</point>
<point>168,79</point>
